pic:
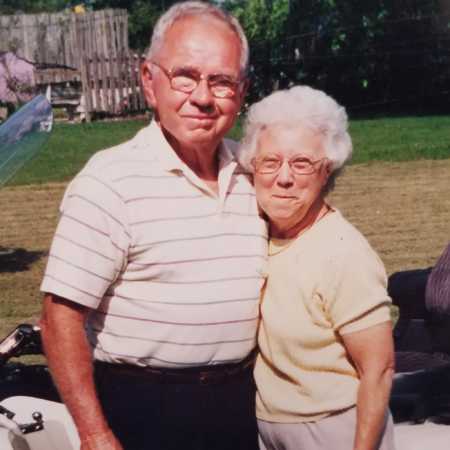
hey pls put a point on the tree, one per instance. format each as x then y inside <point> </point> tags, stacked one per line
<point>363,52</point>
<point>32,6</point>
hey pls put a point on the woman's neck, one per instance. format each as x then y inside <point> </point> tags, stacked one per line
<point>318,210</point>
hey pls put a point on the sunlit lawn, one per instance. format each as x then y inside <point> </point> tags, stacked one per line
<point>386,139</point>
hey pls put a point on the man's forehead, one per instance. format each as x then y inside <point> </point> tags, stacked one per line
<point>204,21</point>
<point>208,39</point>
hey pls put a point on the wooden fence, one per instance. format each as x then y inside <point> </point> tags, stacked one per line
<point>83,57</point>
<point>112,85</point>
<point>64,38</point>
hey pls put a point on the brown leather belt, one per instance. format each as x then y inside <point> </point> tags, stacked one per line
<point>213,374</point>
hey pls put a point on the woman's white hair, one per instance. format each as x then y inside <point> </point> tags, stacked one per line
<point>300,105</point>
<point>194,8</point>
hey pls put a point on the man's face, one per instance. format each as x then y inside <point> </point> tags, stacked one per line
<point>206,46</point>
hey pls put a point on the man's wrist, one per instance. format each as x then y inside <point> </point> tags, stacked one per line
<point>98,440</point>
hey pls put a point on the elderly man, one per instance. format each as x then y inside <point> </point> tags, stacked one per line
<point>153,278</point>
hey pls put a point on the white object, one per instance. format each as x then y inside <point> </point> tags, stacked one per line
<point>59,431</point>
<point>425,436</point>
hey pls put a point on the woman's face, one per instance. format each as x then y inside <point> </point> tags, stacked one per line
<point>287,195</point>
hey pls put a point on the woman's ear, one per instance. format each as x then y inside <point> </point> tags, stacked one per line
<point>147,83</point>
<point>328,171</point>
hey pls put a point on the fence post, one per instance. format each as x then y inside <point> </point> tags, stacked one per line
<point>87,91</point>
<point>132,78</point>
<point>142,102</point>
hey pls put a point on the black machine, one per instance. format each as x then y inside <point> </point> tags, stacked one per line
<point>421,390</point>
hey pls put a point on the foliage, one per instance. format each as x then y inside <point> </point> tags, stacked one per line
<point>364,53</point>
<point>383,139</point>
<point>262,20</point>
<point>32,6</point>
<point>388,55</point>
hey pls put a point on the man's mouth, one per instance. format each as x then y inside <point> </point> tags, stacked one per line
<point>284,197</point>
<point>200,117</point>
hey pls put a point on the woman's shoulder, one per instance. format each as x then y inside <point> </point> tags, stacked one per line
<point>345,240</point>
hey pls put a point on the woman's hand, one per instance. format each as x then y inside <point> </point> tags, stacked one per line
<point>372,352</point>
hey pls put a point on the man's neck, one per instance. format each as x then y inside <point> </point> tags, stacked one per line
<point>203,160</point>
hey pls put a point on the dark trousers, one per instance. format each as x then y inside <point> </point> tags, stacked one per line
<point>165,416</point>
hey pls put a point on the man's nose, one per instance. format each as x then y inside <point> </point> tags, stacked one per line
<point>284,176</point>
<point>201,95</point>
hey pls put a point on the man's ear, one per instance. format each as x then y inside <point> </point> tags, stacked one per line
<point>147,83</point>
<point>244,89</point>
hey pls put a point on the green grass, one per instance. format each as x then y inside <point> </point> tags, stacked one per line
<point>385,139</point>
<point>70,146</point>
<point>394,138</point>
<point>401,139</point>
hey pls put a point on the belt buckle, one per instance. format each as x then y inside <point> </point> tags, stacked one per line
<point>203,377</point>
<point>206,377</point>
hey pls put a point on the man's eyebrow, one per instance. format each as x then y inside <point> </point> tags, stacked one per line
<point>186,68</point>
<point>189,68</point>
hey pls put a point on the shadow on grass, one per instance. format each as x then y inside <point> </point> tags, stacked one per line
<point>17,259</point>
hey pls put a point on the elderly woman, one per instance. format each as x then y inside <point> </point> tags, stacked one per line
<point>326,354</point>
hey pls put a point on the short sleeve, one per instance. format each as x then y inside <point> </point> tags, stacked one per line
<point>91,242</point>
<point>357,297</point>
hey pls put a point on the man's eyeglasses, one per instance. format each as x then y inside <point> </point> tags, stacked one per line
<point>298,164</point>
<point>186,80</point>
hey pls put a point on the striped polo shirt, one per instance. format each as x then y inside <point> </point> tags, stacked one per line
<point>171,270</point>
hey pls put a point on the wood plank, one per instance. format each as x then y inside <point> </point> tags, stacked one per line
<point>110,33</point>
<point>101,84</point>
<point>113,84</point>
<point>120,83</point>
<point>74,51</point>
<point>143,103</point>
<point>96,82</point>
<point>125,22</point>
<point>106,84</point>
<point>134,102</point>
<point>86,89</point>
<point>100,35</point>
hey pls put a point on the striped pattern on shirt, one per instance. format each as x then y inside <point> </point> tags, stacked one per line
<point>171,271</point>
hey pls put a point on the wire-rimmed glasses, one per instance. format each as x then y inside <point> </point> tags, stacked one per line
<point>299,164</point>
<point>187,79</point>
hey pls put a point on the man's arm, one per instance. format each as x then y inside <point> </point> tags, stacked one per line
<point>372,352</point>
<point>70,361</point>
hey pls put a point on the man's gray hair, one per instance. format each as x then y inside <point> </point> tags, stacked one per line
<point>194,8</point>
<point>300,105</point>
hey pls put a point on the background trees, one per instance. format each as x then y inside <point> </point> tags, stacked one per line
<point>372,55</point>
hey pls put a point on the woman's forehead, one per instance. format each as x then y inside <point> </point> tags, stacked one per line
<point>287,139</point>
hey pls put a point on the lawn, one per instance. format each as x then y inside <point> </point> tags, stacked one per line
<point>389,139</point>
<point>70,146</point>
<point>402,207</point>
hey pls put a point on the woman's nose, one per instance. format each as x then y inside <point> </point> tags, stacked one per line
<point>284,177</point>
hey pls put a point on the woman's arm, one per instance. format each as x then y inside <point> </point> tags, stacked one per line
<point>372,353</point>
